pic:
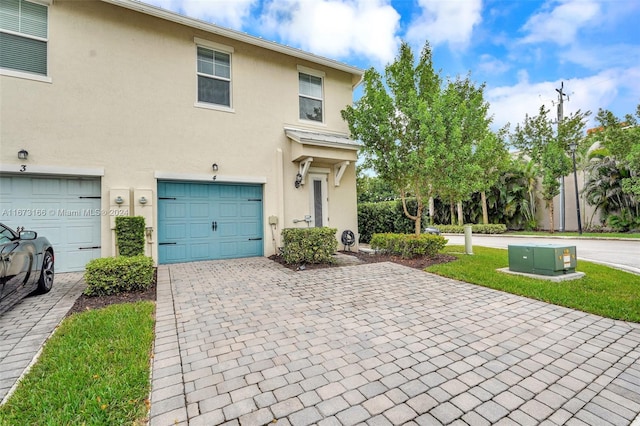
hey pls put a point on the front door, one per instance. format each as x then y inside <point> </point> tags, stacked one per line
<point>319,200</point>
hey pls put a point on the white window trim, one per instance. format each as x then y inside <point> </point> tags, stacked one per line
<point>216,107</point>
<point>311,71</point>
<point>223,48</point>
<point>315,73</point>
<point>213,45</point>
<point>24,74</point>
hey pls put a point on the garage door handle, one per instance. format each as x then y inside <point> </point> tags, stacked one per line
<point>89,248</point>
<point>255,239</point>
<point>214,226</point>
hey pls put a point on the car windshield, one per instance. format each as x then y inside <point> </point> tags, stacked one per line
<point>6,234</point>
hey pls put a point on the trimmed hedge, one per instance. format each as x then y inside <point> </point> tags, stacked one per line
<point>476,229</point>
<point>385,216</point>
<point>408,245</point>
<point>389,217</point>
<point>309,245</point>
<point>130,235</point>
<point>111,275</point>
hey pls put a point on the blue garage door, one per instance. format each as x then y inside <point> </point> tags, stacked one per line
<point>206,221</point>
<point>66,210</point>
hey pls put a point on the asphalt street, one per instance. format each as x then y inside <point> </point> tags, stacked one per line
<point>619,253</point>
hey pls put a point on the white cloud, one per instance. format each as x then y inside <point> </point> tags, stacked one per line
<point>598,56</point>
<point>510,104</point>
<point>559,22</point>
<point>449,21</point>
<point>336,28</point>
<point>492,66</point>
<point>226,13</point>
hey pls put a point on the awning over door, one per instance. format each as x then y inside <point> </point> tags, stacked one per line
<point>322,147</point>
<point>329,148</point>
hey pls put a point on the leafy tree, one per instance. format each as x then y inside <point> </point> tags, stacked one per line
<point>420,136</point>
<point>372,189</point>
<point>389,124</point>
<point>547,148</point>
<point>462,137</point>
<point>494,159</point>
<point>622,139</point>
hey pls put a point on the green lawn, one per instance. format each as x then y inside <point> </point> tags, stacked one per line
<point>631,235</point>
<point>603,291</point>
<point>94,370</point>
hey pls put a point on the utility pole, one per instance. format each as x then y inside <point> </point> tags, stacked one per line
<point>561,96</point>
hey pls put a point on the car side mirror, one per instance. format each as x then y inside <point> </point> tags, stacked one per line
<point>28,235</point>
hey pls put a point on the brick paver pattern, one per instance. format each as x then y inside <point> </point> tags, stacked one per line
<point>249,342</point>
<point>28,324</point>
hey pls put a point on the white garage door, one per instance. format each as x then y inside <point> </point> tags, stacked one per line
<point>66,210</point>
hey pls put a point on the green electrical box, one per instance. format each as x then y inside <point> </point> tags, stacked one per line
<point>542,259</point>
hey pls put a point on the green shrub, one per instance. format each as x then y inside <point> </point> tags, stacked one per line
<point>408,245</point>
<point>375,218</point>
<point>130,235</point>
<point>476,229</point>
<point>112,275</point>
<point>309,245</point>
<point>385,217</point>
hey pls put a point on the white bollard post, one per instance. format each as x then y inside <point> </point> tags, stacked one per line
<point>468,248</point>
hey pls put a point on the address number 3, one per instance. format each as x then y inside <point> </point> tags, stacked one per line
<point>23,167</point>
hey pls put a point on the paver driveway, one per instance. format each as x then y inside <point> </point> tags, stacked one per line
<point>249,342</point>
<point>28,325</point>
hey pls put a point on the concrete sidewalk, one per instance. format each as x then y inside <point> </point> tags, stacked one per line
<point>249,342</point>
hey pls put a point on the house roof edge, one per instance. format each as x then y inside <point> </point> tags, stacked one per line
<point>236,35</point>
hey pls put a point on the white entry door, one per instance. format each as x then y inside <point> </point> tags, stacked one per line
<point>319,199</point>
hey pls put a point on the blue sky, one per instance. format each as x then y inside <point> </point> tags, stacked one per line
<point>522,50</point>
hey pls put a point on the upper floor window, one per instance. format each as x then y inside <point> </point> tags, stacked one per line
<point>214,77</point>
<point>23,36</point>
<point>311,96</point>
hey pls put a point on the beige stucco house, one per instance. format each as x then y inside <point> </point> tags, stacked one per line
<point>217,138</point>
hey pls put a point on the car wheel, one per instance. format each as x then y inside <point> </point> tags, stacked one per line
<point>46,275</point>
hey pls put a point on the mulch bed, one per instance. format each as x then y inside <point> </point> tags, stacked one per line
<point>417,263</point>
<point>85,303</point>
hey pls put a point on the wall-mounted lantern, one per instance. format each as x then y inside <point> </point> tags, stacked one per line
<point>214,166</point>
<point>23,154</point>
<point>119,200</point>
<point>143,200</point>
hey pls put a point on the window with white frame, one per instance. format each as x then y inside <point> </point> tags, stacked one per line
<point>23,36</point>
<point>214,77</point>
<point>311,96</point>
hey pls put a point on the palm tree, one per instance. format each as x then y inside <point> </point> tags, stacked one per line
<point>603,188</point>
<point>529,170</point>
